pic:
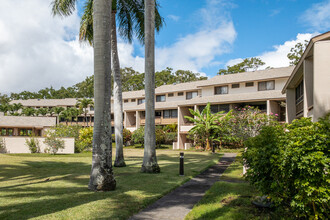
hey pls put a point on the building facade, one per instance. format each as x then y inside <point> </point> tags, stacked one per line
<point>307,90</point>
<point>260,89</point>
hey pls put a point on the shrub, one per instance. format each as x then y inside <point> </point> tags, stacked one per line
<point>171,137</point>
<point>127,136</point>
<point>33,144</point>
<point>292,166</point>
<point>138,136</point>
<point>85,141</point>
<point>160,137</point>
<point>68,131</point>
<point>54,143</point>
<point>2,146</point>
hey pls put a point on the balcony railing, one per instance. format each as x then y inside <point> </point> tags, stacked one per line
<point>299,107</point>
<point>161,121</point>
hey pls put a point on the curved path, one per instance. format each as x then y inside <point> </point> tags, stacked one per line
<point>177,204</point>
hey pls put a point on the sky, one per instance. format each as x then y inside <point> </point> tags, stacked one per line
<point>38,50</point>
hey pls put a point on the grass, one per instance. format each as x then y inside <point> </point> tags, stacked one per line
<point>25,194</point>
<point>230,198</point>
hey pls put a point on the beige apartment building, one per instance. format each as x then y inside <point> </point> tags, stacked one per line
<point>262,89</point>
<point>307,90</point>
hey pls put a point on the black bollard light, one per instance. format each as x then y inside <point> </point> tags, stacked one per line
<point>181,164</point>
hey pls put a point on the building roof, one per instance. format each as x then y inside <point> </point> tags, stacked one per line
<point>27,122</point>
<point>47,102</point>
<point>308,51</point>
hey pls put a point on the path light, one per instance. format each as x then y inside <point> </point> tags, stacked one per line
<point>181,164</point>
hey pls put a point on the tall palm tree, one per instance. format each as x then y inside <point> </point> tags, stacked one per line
<point>130,14</point>
<point>83,104</point>
<point>66,115</point>
<point>101,178</point>
<point>42,111</point>
<point>4,107</point>
<point>150,164</point>
<point>57,110</point>
<point>28,111</point>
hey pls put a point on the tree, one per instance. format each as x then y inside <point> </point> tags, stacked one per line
<point>66,115</point>
<point>247,64</point>
<point>102,178</point>
<point>296,52</point>
<point>4,107</point>
<point>57,110</point>
<point>75,112</point>
<point>42,111</point>
<point>83,104</point>
<point>28,111</point>
<point>205,123</point>
<point>150,164</point>
<point>130,16</point>
<point>14,108</point>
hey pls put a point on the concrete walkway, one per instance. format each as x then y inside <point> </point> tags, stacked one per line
<point>177,204</point>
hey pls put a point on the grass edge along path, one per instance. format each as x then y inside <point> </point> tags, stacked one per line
<point>230,199</point>
<point>26,193</point>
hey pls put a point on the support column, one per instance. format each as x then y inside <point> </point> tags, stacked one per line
<point>138,119</point>
<point>290,105</point>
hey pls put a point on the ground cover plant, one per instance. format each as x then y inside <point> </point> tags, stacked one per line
<point>44,186</point>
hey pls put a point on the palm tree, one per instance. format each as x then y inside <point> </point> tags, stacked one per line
<point>57,110</point>
<point>205,123</point>
<point>75,112</point>
<point>130,14</point>
<point>4,107</point>
<point>83,104</point>
<point>66,115</point>
<point>101,178</point>
<point>28,111</point>
<point>42,111</point>
<point>150,164</point>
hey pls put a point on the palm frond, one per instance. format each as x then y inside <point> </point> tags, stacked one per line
<point>63,7</point>
<point>86,23</point>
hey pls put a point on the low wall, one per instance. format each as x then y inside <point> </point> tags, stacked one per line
<point>16,145</point>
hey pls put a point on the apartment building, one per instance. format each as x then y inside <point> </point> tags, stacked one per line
<point>307,90</point>
<point>262,89</point>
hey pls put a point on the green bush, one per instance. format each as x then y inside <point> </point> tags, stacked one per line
<point>292,166</point>
<point>127,136</point>
<point>160,137</point>
<point>33,144</point>
<point>54,143</point>
<point>138,136</point>
<point>85,141</point>
<point>171,137</point>
<point>62,130</point>
<point>3,149</point>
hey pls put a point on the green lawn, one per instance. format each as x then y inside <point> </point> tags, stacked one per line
<point>229,198</point>
<point>24,193</point>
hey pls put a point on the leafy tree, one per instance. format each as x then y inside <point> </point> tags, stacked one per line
<point>4,107</point>
<point>28,111</point>
<point>205,124</point>
<point>54,143</point>
<point>296,52</point>
<point>4,99</point>
<point>66,115</point>
<point>247,64</point>
<point>138,136</point>
<point>57,110</point>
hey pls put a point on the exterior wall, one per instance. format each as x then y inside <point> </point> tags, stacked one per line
<point>16,145</point>
<point>308,87</point>
<point>290,105</point>
<point>321,96</point>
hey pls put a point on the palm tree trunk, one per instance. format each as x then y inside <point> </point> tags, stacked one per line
<point>117,94</point>
<point>101,178</point>
<point>150,164</point>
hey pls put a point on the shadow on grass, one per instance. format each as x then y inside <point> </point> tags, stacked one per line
<point>67,187</point>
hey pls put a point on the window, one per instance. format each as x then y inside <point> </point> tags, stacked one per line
<point>266,85</point>
<point>249,84</point>
<point>221,90</point>
<point>201,108</point>
<point>3,132</point>
<point>234,86</point>
<point>160,98</point>
<point>158,114</point>
<point>180,93</point>
<point>219,108</point>
<point>190,95</point>
<point>91,108</point>
<point>172,113</point>
<point>300,92</point>
<point>125,100</point>
<point>140,101</point>
<point>132,100</point>
<point>170,94</point>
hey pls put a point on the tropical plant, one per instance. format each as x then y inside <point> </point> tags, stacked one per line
<point>66,115</point>
<point>4,107</point>
<point>150,164</point>
<point>75,112</point>
<point>85,141</point>
<point>14,108</point>
<point>83,104</point>
<point>28,111</point>
<point>57,110</point>
<point>291,165</point>
<point>127,136</point>
<point>42,111</point>
<point>3,149</point>
<point>205,124</point>
<point>33,144</point>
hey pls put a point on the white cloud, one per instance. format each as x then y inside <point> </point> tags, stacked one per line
<point>38,50</point>
<point>198,50</point>
<point>318,16</point>
<point>173,17</point>
<point>278,56</point>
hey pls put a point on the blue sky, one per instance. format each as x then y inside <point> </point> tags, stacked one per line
<point>38,50</point>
